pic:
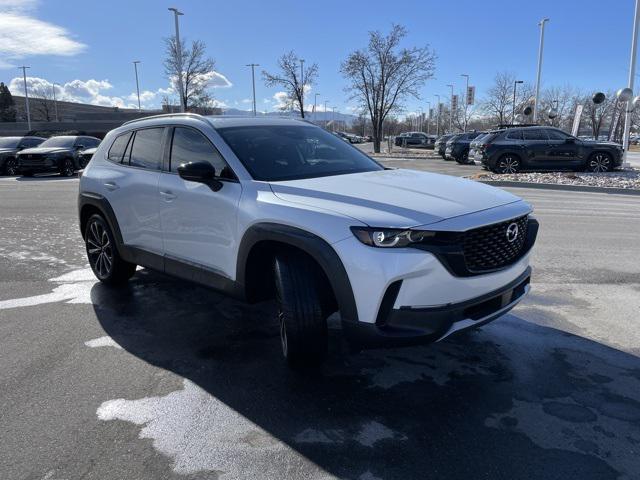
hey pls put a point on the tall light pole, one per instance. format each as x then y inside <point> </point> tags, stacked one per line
<point>428,116</point>
<point>333,119</point>
<point>466,104</point>
<point>26,95</point>
<point>315,106</point>
<point>135,66</point>
<point>55,101</point>
<point>302,86</point>
<point>325,113</point>
<point>253,82</point>
<point>451,109</point>
<point>438,116</point>
<point>632,75</point>
<point>540,49</point>
<point>513,113</point>
<point>176,14</point>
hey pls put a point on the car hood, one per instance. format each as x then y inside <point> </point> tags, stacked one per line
<point>4,151</point>
<point>44,150</point>
<point>394,198</point>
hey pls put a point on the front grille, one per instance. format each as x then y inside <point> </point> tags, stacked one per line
<point>488,248</point>
<point>31,160</point>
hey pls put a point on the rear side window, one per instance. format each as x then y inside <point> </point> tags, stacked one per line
<point>514,135</point>
<point>118,147</point>
<point>146,151</point>
<point>189,145</point>
<point>534,134</point>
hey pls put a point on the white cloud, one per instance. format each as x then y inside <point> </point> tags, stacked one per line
<point>22,35</point>
<point>281,100</point>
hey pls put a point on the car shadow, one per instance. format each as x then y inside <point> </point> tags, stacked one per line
<point>45,177</point>
<point>511,401</point>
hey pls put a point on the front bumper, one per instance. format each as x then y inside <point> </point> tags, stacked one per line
<point>411,326</point>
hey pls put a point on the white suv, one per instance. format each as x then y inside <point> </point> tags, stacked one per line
<point>260,208</point>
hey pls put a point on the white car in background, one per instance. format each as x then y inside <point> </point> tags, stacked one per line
<point>262,208</point>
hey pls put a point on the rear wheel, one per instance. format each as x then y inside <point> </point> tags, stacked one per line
<point>600,162</point>
<point>464,158</point>
<point>68,168</point>
<point>11,167</point>
<point>106,263</point>
<point>507,164</point>
<point>303,324</point>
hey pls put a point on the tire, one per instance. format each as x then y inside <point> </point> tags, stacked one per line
<point>507,163</point>
<point>303,325</point>
<point>600,162</point>
<point>106,263</point>
<point>464,158</point>
<point>11,167</point>
<point>82,162</point>
<point>27,174</point>
<point>68,168</point>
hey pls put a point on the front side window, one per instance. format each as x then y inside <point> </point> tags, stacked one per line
<point>116,152</point>
<point>146,151</point>
<point>557,135</point>
<point>514,135</point>
<point>534,134</point>
<point>189,145</point>
<point>290,152</point>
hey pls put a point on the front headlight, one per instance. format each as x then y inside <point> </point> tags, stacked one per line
<point>389,238</point>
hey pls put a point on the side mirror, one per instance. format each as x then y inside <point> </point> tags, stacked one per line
<point>79,147</point>
<point>200,172</point>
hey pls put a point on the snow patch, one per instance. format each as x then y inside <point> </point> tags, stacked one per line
<point>105,341</point>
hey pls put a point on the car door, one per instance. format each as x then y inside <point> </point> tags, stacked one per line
<point>562,152</point>
<point>131,187</point>
<point>535,144</point>
<point>199,225</point>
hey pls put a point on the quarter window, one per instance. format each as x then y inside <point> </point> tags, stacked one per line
<point>118,147</point>
<point>146,151</point>
<point>189,145</point>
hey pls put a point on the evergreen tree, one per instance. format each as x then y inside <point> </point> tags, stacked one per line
<point>7,105</point>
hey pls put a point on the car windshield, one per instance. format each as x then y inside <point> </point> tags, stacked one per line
<point>9,142</point>
<point>279,152</point>
<point>66,142</point>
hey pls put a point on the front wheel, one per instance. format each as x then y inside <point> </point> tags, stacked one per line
<point>600,162</point>
<point>11,167</point>
<point>303,324</point>
<point>67,168</point>
<point>106,263</point>
<point>464,158</point>
<point>507,164</point>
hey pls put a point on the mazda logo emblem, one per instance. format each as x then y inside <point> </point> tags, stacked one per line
<point>512,232</point>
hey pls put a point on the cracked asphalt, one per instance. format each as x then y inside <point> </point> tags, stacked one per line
<point>165,379</point>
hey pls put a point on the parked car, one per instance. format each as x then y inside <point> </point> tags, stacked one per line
<point>84,156</point>
<point>57,154</point>
<point>458,147</point>
<point>413,139</point>
<point>262,208</point>
<point>9,147</point>
<point>475,146</point>
<point>440,144</point>
<point>545,148</point>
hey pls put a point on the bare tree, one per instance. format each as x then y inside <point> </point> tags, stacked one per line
<point>197,71</point>
<point>563,100</point>
<point>44,108</point>
<point>294,78</point>
<point>596,115</point>
<point>498,104</point>
<point>383,75</point>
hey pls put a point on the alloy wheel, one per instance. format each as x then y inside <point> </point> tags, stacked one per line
<point>600,162</point>
<point>508,164</point>
<point>67,168</point>
<point>11,167</point>
<point>100,250</point>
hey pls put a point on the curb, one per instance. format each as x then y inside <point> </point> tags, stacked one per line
<point>384,157</point>
<point>555,186</point>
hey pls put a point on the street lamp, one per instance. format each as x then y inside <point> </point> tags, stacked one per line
<point>333,119</point>
<point>55,101</point>
<point>466,95</point>
<point>632,75</point>
<point>451,109</point>
<point>438,116</point>
<point>513,113</point>
<point>428,116</point>
<point>540,49</point>
<point>135,67</point>
<point>253,81</point>
<point>26,96</point>
<point>176,14</point>
<point>315,105</point>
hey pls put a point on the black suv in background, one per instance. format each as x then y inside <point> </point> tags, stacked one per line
<point>441,143</point>
<point>414,139</point>
<point>57,154</point>
<point>9,147</point>
<point>458,147</point>
<point>544,148</point>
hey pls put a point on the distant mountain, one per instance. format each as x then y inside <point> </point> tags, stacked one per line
<point>319,116</point>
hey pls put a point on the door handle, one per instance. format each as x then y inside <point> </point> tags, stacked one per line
<point>111,186</point>
<point>168,195</point>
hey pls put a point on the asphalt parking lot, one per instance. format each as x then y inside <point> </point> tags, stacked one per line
<point>164,379</point>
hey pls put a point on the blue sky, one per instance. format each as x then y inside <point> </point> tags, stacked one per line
<point>89,45</point>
